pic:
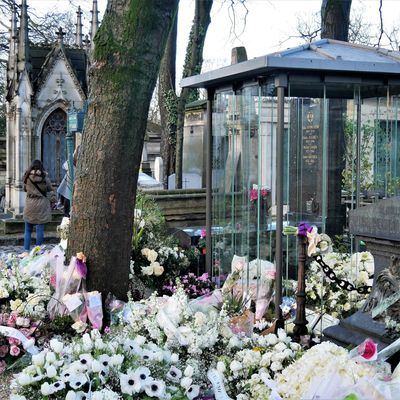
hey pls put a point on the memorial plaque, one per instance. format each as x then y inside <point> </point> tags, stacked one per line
<point>308,167</point>
<point>310,138</point>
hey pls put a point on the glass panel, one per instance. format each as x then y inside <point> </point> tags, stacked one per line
<point>339,153</point>
<point>243,140</point>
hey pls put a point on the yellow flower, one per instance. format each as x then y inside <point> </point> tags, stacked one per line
<point>259,349</point>
<point>81,256</point>
<point>15,304</point>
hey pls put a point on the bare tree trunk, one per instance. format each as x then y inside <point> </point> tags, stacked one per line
<point>193,63</point>
<point>128,49</point>
<point>335,19</point>
<point>167,102</point>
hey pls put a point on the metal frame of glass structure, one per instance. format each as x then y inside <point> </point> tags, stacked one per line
<point>314,127</point>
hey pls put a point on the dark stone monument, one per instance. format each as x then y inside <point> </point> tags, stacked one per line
<point>378,226</point>
<point>308,165</point>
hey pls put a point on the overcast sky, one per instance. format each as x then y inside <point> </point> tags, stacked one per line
<point>264,27</point>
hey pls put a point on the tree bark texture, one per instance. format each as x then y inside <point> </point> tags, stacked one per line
<point>192,66</point>
<point>128,49</point>
<point>335,19</point>
<point>167,102</point>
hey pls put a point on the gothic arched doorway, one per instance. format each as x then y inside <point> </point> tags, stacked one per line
<point>53,145</point>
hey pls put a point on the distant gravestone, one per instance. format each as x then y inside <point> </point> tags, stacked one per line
<point>378,226</point>
<point>159,169</point>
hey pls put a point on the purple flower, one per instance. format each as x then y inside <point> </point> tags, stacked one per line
<point>81,268</point>
<point>303,228</point>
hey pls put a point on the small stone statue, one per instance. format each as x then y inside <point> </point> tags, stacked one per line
<point>386,284</point>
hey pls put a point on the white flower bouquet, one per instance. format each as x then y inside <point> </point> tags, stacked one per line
<point>325,295</point>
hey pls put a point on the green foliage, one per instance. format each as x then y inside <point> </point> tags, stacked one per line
<point>154,230</point>
<point>60,325</point>
<point>350,134</point>
<point>341,244</point>
<point>171,104</point>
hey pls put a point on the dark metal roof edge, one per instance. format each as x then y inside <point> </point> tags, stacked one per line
<point>239,69</point>
<point>278,61</point>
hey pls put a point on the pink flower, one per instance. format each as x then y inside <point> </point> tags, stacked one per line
<point>368,349</point>
<point>53,280</point>
<point>264,193</point>
<point>253,195</point>
<point>3,366</point>
<point>12,320</point>
<point>203,233</point>
<point>15,350</point>
<point>13,341</point>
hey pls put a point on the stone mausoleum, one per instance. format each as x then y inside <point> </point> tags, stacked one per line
<point>43,82</point>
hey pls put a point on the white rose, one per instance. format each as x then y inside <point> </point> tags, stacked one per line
<point>272,339</point>
<point>157,268</point>
<point>152,256</point>
<point>235,366</point>
<point>276,366</point>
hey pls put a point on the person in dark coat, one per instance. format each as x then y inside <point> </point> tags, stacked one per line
<point>37,209</point>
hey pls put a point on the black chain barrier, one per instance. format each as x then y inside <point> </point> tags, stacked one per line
<point>340,282</point>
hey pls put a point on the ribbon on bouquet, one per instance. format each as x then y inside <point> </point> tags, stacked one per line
<point>218,385</point>
<point>28,344</point>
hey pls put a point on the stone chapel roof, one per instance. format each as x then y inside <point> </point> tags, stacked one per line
<point>41,58</point>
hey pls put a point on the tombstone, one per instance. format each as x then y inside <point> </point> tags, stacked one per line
<point>306,165</point>
<point>377,225</point>
<point>159,169</point>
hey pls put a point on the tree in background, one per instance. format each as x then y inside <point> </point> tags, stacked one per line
<point>128,50</point>
<point>192,66</point>
<point>335,19</point>
<point>167,100</point>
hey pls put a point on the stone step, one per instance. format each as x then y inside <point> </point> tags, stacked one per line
<point>10,225</point>
<point>17,239</point>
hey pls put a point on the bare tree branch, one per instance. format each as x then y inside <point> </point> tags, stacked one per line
<point>381,23</point>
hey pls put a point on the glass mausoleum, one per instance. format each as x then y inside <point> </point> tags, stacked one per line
<point>306,134</point>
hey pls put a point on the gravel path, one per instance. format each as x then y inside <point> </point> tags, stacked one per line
<point>5,380</point>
